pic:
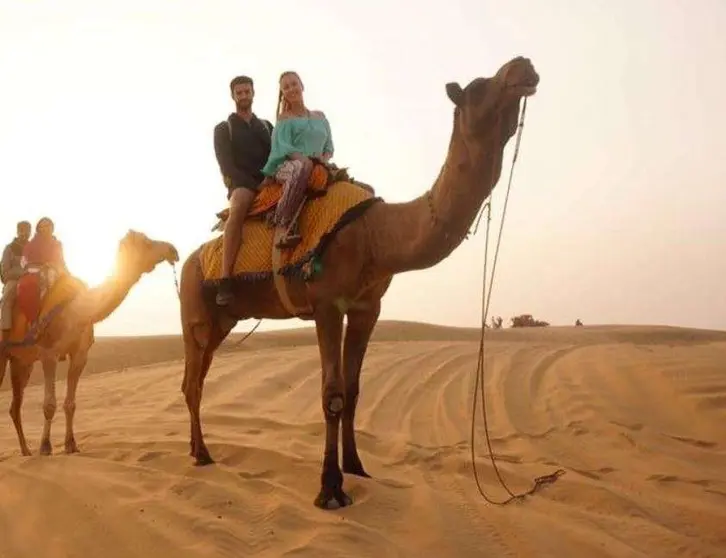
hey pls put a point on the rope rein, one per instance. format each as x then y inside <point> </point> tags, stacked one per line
<point>539,482</point>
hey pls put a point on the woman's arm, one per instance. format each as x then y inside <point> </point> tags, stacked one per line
<point>328,148</point>
<point>61,257</point>
<point>281,147</point>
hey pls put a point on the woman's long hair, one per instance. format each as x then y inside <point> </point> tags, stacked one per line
<point>45,221</point>
<point>282,104</point>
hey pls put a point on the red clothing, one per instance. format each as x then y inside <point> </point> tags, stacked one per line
<point>42,250</point>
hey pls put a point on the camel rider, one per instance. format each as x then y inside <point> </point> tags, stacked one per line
<point>10,271</point>
<point>44,254</point>
<point>241,145</point>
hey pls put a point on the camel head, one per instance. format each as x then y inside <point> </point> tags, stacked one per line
<point>137,253</point>
<point>491,105</point>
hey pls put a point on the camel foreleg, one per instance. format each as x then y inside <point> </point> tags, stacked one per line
<point>49,404</point>
<point>75,369</point>
<point>19,376</point>
<point>329,327</point>
<point>361,323</point>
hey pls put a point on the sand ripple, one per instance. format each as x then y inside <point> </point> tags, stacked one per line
<point>634,415</point>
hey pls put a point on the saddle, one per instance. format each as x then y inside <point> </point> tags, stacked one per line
<point>32,288</point>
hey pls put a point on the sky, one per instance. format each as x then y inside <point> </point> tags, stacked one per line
<point>616,213</point>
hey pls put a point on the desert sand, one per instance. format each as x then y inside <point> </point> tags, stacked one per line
<point>636,416</point>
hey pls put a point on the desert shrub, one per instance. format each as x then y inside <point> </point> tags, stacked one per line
<point>526,320</point>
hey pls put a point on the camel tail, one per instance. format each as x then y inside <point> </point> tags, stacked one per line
<point>3,366</point>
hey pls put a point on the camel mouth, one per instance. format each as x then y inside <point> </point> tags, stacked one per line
<point>523,89</point>
<point>172,257</point>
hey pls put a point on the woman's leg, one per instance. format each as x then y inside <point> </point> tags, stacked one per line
<point>294,176</point>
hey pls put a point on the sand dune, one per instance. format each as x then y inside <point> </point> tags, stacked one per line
<point>634,415</point>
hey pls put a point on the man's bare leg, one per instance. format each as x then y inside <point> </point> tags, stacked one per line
<point>239,204</point>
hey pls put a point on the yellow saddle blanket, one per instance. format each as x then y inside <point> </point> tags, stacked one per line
<point>65,288</point>
<point>319,216</point>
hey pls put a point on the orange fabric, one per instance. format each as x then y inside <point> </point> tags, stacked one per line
<point>42,250</point>
<point>65,288</point>
<point>318,217</point>
<point>28,296</point>
<point>271,191</point>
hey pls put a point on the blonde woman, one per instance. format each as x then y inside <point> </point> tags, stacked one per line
<point>300,136</point>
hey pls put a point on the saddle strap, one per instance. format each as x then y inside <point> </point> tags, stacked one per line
<point>279,279</point>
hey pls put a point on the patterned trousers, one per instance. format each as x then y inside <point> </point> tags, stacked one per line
<point>294,176</point>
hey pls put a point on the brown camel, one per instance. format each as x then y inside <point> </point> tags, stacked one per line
<point>69,332</point>
<point>358,266</point>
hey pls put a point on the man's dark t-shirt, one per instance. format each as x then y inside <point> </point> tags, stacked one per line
<point>242,157</point>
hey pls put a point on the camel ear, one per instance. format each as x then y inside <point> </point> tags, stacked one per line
<point>455,93</point>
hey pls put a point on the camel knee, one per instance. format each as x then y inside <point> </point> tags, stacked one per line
<point>333,404</point>
<point>69,407</point>
<point>49,409</point>
<point>14,411</point>
<point>191,395</point>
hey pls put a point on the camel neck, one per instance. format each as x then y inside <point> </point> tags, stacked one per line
<point>430,227</point>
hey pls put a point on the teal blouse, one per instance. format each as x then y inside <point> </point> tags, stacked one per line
<point>310,136</point>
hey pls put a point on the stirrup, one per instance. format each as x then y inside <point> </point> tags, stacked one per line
<point>289,241</point>
<point>291,237</point>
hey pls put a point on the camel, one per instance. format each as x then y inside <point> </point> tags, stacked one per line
<point>357,267</point>
<point>68,332</point>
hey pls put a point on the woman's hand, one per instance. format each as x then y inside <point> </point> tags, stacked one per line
<point>298,157</point>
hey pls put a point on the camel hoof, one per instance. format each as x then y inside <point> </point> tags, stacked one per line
<point>204,459</point>
<point>356,469</point>
<point>332,499</point>
<point>26,452</point>
<point>72,447</point>
<point>45,448</point>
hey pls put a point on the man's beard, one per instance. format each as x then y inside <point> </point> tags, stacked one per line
<point>243,105</point>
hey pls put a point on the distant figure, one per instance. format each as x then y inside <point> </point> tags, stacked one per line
<point>43,257</point>
<point>11,269</point>
<point>578,323</point>
<point>241,145</point>
<point>44,249</point>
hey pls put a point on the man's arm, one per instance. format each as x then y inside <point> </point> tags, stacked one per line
<point>223,152</point>
<point>9,272</point>
<point>61,257</point>
<point>269,126</point>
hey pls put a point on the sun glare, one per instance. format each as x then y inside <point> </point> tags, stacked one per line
<point>89,259</point>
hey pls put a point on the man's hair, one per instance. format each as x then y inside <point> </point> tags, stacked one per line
<point>240,80</point>
<point>22,224</point>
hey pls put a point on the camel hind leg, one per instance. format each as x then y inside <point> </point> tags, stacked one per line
<point>3,366</point>
<point>202,335</point>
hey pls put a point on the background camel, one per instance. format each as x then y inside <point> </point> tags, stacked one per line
<point>70,332</point>
<point>358,266</point>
